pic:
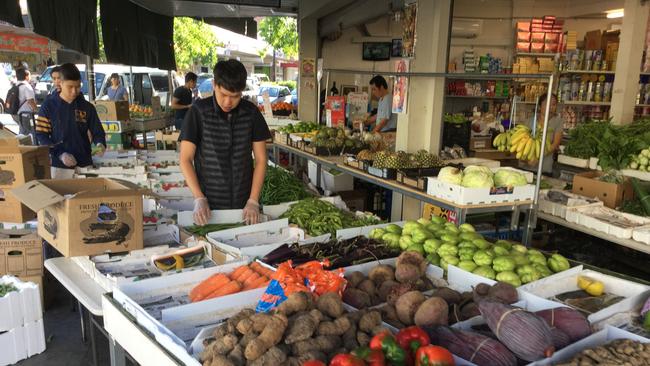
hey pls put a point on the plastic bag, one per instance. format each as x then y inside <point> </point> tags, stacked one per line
<point>308,277</point>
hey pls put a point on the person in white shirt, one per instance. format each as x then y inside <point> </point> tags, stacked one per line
<point>26,100</point>
<point>384,120</point>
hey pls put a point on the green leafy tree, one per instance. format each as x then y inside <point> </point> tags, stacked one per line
<point>194,42</point>
<point>282,34</point>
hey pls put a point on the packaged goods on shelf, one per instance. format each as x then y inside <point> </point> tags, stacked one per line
<point>556,202</point>
<point>612,194</point>
<point>607,220</point>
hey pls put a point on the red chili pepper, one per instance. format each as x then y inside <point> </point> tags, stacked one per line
<point>373,357</point>
<point>313,363</point>
<point>346,359</point>
<point>433,356</point>
<point>412,338</point>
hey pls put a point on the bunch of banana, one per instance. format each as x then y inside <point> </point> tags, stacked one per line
<point>519,140</point>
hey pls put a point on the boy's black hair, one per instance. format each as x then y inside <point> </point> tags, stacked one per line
<point>190,76</point>
<point>21,74</point>
<point>379,81</point>
<point>114,76</point>
<point>69,71</point>
<point>55,69</point>
<point>230,75</point>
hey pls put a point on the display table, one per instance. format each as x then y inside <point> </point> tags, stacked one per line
<point>629,243</point>
<point>336,162</point>
<point>147,125</point>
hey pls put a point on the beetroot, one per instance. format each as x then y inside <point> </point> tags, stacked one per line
<point>527,335</point>
<point>473,347</point>
<point>568,320</point>
<point>560,339</point>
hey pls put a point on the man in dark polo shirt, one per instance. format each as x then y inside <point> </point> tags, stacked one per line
<point>218,136</point>
<point>67,123</point>
<point>182,99</point>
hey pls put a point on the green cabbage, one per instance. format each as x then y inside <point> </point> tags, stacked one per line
<point>509,178</point>
<point>477,168</point>
<point>477,179</point>
<point>450,175</point>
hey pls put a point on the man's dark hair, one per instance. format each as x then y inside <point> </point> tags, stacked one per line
<point>115,76</point>
<point>190,76</point>
<point>230,75</point>
<point>70,72</point>
<point>379,81</point>
<point>543,97</point>
<point>55,69</point>
<point>21,74</point>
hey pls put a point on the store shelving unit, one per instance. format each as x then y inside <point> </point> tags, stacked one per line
<point>597,72</point>
<point>534,54</point>
<point>579,102</point>
<point>629,243</point>
<point>475,97</point>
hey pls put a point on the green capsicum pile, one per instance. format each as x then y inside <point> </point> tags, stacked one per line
<point>281,186</point>
<point>318,217</point>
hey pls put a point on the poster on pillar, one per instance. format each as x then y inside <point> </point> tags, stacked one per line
<point>308,68</point>
<point>400,87</point>
<point>408,30</point>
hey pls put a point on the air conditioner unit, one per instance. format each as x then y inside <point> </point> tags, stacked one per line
<point>466,28</point>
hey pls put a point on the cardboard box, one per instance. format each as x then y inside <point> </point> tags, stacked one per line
<point>480,142</point>
<point>86,216</point>
<point>587,184</point>
<point>355,200</point>
<point>109,110</point>
<point>21,253</point>
<point>593,40</point>
<point>19,164</point>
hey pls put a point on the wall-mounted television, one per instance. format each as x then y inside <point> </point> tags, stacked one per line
<point>376,51</point>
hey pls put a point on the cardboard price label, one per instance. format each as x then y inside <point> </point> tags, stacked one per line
<point>430,210</point>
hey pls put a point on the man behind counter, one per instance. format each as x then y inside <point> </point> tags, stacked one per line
<point>384,120</point>
<point>217,138</point>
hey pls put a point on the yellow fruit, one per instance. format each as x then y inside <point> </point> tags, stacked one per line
<point>529,145</point>
<point>517,137</point>
<point>513,148</point>
<point>591,286</point>
<point>522,144</point>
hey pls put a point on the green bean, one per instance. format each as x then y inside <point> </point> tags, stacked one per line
<point>203,230</point>
<point>281,186</point>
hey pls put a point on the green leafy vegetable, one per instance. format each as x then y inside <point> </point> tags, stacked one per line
<point>281,186</point>
<point>6,288</point>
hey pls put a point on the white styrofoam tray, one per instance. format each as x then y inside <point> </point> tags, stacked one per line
<point>645,176</point>
<point>642,234</point>
<point>594,218</point>
<point>275,211</point>
<point>599,338</point>
<point>344,234</point>
<point>570,160</point>
<point>256,240</point>
<point>19,307</point>
<point>558,209</point>
<point>634,293</point>
<point>22,342</point>
<point>186,218</point>
<point>472,196</point>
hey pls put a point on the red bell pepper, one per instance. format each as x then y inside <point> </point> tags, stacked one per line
<point>373,357</point>
<point>313,363</point>
<point>433,356</point>
<point>386,343</point>
<point>346,359</point>
<point>412,338</point>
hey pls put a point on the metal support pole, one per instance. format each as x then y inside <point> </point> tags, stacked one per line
<point>90,76</point>
<point>170,90</point>
<point>532,214</point>
<point>327,83</point>
<point>116,353</point>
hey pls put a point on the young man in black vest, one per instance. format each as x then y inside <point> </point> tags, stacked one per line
<point>217,139</point>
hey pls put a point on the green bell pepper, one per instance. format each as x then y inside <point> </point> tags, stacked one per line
<point>467,244</point>
<point>410,226</point>
<point>557,263</point>
<point>468,228</point>
<point>483,258</point>
<point>528,273</point>
<point>509,277</point>
<point>485,271</point>
<point>376,233</point>
<point>438,220</point>
<point>537,259</point>
<point>519,248</point>
<point>405,241</point>
<point>434,228</point>
<point>466,254</point>
<point>481,243</point>
<point>449,238</point>
<point>519,258</point>
<point>534,252</point>
<point>434,259</point>
<point>392,228</point>
<point>503,244</point>
<point>468,266</point>
<point>448,259</point>
<point>447,249</point>
<point>424,222</point>
<point>503,263</point>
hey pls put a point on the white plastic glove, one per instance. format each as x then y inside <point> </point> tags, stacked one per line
<point>99,150</point>
<point>251,213</point>
<point>201,211</point>
<point>68,160</point>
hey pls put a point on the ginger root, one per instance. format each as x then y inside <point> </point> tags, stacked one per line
<point>296,302</point>
<point>274,356</point>
<point>330,304</point>
<point>270,336</point>
<point>303,326</point>
<point>336,327</point>
<point>370,321</point>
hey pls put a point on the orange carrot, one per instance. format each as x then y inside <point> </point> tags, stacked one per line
<point>207,286</point>
<point>260,282</point>
<point>245,275</point>
<point>238,271</point>
<point>250,279</point>
<point>261,270</point>
<point>229,288</point>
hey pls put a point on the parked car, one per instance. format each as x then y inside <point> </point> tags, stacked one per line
<point>293,98</point>
<point>276,93</point>
<point>260,78</point>
<point>206,89</point>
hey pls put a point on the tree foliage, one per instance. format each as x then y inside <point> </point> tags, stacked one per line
<point>194,43</point>
<point>281,33</point>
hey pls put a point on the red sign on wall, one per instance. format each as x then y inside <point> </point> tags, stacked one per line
<point>23,43</point>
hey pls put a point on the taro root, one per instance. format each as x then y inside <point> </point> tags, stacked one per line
<point>433,311</point>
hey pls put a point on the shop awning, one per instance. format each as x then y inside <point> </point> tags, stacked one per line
<point>10,12</point>
<point>73,23</point>
<point>134,35</point>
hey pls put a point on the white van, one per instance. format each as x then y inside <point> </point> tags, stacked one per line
<point>147,82</point>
